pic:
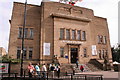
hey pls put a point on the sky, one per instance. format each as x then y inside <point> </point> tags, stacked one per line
<point>102,8</point>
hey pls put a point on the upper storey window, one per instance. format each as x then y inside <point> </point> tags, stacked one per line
<point>20,33</point>
<point>28,33</point>
<point>78,34</point>
<point>102,39</point>
<point>73,34</point>
<point>83,35</point>
<point>31,32</point>
<point>61,33</point>
<point>68,34</point>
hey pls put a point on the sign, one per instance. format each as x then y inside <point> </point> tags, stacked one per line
<point>46,49</point>
<point>94,51</point>
<point>74,42</point>
<point>4,67</point>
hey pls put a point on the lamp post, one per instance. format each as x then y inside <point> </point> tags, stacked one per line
<point>22,51</point>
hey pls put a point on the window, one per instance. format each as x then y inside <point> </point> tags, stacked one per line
<point>67,34</point>
<point>98,38</point>
<point>85,52</point>
<point>83,35</point>
<point>73,34</point>
<point>78,35</point>
<point>101,39</point>
<point>20,33</point>
<point>103,54</point>
<point>25,32</point>
<point>61,33</point>
<point>30,52</point>
<point>104,40</point>
<point>100,56</point>
<point>61,51</point>
<point>24,54</point>
<point>18,52</point>
<point>31,32</point>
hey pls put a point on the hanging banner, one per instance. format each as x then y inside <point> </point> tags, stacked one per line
<point>4,67</point>
<point>94,51</point>
<point>46,49</point>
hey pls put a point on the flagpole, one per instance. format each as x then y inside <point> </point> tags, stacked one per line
<point>22,51</point>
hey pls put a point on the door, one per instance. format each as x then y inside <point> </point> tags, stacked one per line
<point>74,54</point>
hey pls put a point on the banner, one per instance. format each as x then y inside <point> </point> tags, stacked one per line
<point>46,49</point>
<point>94,51</point>
<point>4,67</point>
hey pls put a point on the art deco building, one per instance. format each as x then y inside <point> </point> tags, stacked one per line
<point>57,29</point>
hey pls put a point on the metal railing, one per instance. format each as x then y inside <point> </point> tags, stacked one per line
<point>49,76</point>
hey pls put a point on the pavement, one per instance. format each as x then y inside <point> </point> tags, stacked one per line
<point>107,75</point>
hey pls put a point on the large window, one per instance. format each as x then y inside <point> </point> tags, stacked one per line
<point>18,52</point>
<point>30,52</point>
<point>25,32</point>
<point>61,51</point>
<point>83,35</point>
<point>20,33</point>
<point>67,34</point>
<point>61,33</point>
<point>85,52</point>
<point>31,32</point>
<point>78,34</point>
<point>73,34</point>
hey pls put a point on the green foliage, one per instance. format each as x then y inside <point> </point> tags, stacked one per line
<point>7,58</point>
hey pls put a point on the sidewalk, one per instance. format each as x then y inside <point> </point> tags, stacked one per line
<point>107,75</point>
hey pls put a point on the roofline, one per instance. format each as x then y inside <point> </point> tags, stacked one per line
<point>27,4</point>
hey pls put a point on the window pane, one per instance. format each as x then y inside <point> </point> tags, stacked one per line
<point>31,33</point>
<point>24,54</point>
<point>73,34</point>
<point>30,53</point>
<point>98,38</point>
<point>100,55</point>
<point>18,52</point>
<point>25,32</point>
<point>20,33</point>
<point>67,34</point>
<point>61,52</point>
<point>101,39</point>
<point>61,33</point>
<point>83,35</point>
<point>104,40</point>
<point>85,52</point>
<point>78,35</point>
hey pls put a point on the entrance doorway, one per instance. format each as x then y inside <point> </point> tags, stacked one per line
<point>74,54</point>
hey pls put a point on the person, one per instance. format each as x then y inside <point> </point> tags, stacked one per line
<point>58,71</point>
<point>52,68</point>
<point>44,69</point>
<point>77,62</point>
<point>37,70</point>
<point>30,69</point>
<point>81,68</point>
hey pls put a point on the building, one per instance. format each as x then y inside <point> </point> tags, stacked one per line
<point>57,29</point>
<point>2,51</point>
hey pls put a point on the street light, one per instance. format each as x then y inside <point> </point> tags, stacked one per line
<point>22,52</point>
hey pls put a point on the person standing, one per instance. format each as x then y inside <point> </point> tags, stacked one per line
<point>44,69</point>
<point>52,68</point>
<point>58,71</point>
<point>77,62</point>
<point>30,69</point>
<point>37,68</point>
<point>81,68</point>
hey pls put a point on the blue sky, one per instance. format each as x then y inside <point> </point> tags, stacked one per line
<point>103,8</point>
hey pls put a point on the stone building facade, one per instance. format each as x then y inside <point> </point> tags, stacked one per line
<point>61,30</point>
